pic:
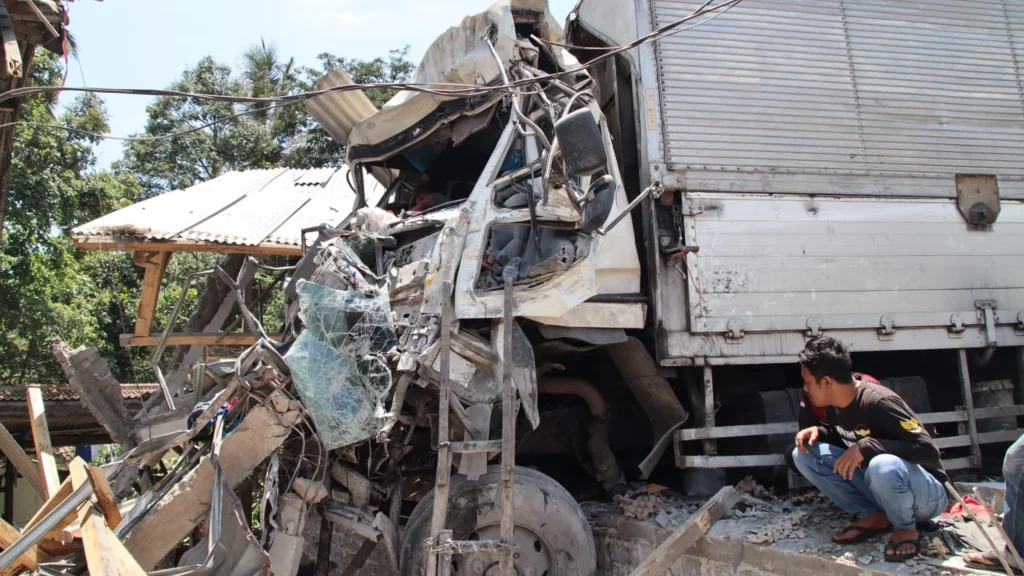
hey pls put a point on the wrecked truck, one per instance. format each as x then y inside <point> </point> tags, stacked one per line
<point>614,242</point>
<point>660,229</point>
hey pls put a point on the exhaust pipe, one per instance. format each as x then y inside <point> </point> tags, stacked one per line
<point>606,468</point>
<point>653,393</point>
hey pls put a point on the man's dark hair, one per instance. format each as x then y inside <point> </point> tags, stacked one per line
<point>826,356</point>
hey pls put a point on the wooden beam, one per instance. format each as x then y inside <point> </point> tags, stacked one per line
<point>34,555</point>
<point>104,496</point>
<point>686,536</point>
<point>21,461</point>
<point>155,264</point>
<point>41,437</point>
<point>11,65</point>
<point>131,244</point>
<point>8,534</point>
<point>10,481</point>
<point>190,339</point>
<point>42,18</point>
<point>104,553</point>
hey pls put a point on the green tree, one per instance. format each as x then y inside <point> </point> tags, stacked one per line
<point>47,287</point>
<point>269,136</point>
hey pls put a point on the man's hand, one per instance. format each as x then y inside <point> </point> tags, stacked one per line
<point>847,464</point>
<point>806,438</point>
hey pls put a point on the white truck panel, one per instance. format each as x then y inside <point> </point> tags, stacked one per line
<point>788,263</point>
<point>875,96</point>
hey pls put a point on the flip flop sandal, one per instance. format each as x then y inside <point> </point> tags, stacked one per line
<point>863,534</point>
<point>892,556</point>
<point>997,566</point>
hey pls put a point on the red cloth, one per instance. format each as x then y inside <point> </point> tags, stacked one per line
<point>956,509</point>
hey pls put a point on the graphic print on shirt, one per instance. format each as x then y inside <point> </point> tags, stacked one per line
<point>911,425</point>
<point>851,437</point>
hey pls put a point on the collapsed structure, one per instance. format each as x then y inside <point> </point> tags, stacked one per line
<point>483,304</point>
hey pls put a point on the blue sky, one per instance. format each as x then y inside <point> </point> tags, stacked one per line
<point>148,43</point>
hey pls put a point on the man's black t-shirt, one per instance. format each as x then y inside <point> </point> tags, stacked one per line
<point>880,422</point>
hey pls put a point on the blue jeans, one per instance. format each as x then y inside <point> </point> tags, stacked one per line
<point>906,492</point>
<point>1013,474</point>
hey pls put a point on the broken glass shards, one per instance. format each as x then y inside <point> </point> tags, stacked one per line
<point>338,361</point>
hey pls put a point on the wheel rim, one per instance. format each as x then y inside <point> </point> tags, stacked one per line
<point>531,554</point>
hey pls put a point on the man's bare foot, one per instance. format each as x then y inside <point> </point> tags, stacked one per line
<point>987,561</point>
<point>863,529</point>
<point>984,558</point>
<point>904,546</point>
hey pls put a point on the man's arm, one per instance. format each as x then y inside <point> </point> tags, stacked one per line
<point>900,434</point>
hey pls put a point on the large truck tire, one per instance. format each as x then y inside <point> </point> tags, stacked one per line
<point>552,535</point>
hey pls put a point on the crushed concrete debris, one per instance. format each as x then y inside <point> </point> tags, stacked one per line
<point>750,486</point>
<point>640,507</point>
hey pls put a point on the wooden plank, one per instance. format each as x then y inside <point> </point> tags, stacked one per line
<point>15,455</point>
<point>189,339</point>
<point>62,494</point>
<point>155,264</point>
<point>686,536</point>
<point>129,244</point>
<point>34,555</point>
<point>42,18</point>
<point>104,496</point>
<point>41,437</point>
<point>104,553</point>
<point>8,534</point>
<point>11,65</point>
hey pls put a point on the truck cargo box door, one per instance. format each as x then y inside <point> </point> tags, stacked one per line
<point>801,264</point>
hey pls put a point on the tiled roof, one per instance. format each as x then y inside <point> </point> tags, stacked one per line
<point>58,392</point>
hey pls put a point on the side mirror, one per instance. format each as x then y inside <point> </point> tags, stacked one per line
<point>581,143</point>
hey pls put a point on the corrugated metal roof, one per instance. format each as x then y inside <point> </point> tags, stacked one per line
<point>247,208</point>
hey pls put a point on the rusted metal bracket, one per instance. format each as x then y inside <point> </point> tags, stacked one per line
<point>978,199</point>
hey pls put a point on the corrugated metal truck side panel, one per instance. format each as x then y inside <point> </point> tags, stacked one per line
<point>818,143</point>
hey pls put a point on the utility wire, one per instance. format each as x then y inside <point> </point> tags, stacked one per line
<point>449,90</point>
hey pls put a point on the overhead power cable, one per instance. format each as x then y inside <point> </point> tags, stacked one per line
<point>439,89</point>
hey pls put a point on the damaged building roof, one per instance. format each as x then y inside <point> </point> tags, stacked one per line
<point>253,211</point>
<point>58,392</point>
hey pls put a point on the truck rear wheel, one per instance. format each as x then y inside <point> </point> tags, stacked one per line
<point>552,536</point>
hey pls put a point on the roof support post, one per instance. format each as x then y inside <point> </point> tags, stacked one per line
<point>155,264</point>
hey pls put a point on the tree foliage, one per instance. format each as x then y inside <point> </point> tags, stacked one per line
<point>47,287</point>
<point>50,288</point>
<point>252,135</point>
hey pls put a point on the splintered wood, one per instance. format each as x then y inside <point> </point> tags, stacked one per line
<point>41,436</point>
<point>104,553</point>
<point>687,535</point>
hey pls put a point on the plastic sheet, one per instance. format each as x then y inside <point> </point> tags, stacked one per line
<point>338,363</point>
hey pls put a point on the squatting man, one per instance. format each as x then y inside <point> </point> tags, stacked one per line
<point>874,460</point>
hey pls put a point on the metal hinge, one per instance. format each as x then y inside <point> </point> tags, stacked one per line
<point>1019,327</point>
<point>987,315</point>
<point>888,328</point>
<point>813,327</point>
<point>956,328</point>
<point>734,331</point>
